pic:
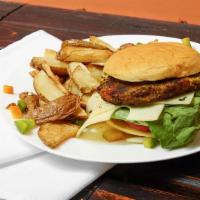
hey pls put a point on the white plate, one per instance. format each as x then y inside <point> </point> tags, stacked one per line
<point>86,150</point>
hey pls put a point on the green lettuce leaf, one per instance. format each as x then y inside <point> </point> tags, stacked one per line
<point>177,125</point>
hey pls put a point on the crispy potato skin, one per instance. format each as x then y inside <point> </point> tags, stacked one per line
<point>83,54</point>
<point>54,134</point>
<point>57,109</point>
<point>143,93</point>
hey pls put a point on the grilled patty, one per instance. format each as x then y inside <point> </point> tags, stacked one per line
<point>143,93</point>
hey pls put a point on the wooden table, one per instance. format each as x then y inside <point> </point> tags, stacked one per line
<point>168,180</point>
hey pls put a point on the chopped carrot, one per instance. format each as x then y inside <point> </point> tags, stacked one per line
<point>7,89</point>
<point>15,111</point>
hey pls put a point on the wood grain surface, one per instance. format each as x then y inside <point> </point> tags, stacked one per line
<point>177,179</point>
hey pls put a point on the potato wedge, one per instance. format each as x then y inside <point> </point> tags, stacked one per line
<point>84,80</point>
<point>83,43</point>
<point>34,73</point>
<point>71,87</point>
<point>96,41</point>
<point>46,87</point>
<point>80,114</point>
<point>50,53</point>
<point>58,67</point>
<point>96,71</point>
<point>103,131</point>
<point>84,99</point>
<point>55,78</point>
<point>54,134</point>
<point>83,54</point>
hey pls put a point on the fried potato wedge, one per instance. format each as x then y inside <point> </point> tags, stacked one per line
<point>103,131</point>
<point>55,78</point>
<point>58,67</point>
<point>71,87</point>
<point>83,43</point>
<point>54,134</point>
<point>96,71</point>
<point>96,41</point>
<point>80,114</point>
<point>50,53</point>
<point>84,80</point>
<point>83,54</point>
<point>46,87</point>
<point>84,99</point>
<point>34,73</point>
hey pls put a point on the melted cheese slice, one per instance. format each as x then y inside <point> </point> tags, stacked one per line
<point>96,117</point>
<point>184,99</point>
<point>102,111</point>
<point>147,113</point>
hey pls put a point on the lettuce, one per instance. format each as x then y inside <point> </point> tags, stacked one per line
<point>177,125</point>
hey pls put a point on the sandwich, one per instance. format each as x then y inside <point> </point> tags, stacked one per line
<point>154,90</point>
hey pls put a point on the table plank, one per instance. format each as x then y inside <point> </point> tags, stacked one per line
<point>99,24</point>
<point>11,32</point>
<point>173,179</point>
<point>6,8</point>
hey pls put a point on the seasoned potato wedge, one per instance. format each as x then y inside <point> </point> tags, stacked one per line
<point>34,73</point>
<point>46,87</point>
<point>84,99</point>
<point>55,78</point>
<point>96,41</point>
<point>83,54</point>
<point>54,134</point>
<point>80,114</point>
<point>50,53</point>
<point>83,43</point>
<point>96,71</point>
<point>58,67</point>
<point>84,80</point>
<point>71,87</point>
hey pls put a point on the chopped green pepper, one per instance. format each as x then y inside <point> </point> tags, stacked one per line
<point>186,42</point>
<point>24,126</point>
<point>22,105</point>
<point>150,142</point>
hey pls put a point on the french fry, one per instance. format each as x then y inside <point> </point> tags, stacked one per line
<point>50,53</point>
<point>84,80</point>
<point>84,99</point>
<point>34,73</point>
<point>51,75</point>
<point>54,134</point>
<point>96,71</point>
<point>83,54</point>
<point>96,41</point>
<point>80,114</point>
<point>71,87</point>
<point>58,67</point>
<point>83,43</point>
<point>46,87</point>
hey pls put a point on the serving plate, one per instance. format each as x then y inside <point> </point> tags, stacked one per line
<point>90,150</point>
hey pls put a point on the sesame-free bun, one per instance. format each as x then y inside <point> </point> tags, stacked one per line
<point>153,61</point>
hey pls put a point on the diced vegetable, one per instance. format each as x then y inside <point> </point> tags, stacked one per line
<point>186,42</point>
<point>24,126</point>
<point>22,105</point>
<point>15,111</point>
<point>150,142</point>
<point>7,89</point>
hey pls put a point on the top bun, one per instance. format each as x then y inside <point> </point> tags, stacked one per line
<point>153,61</point>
